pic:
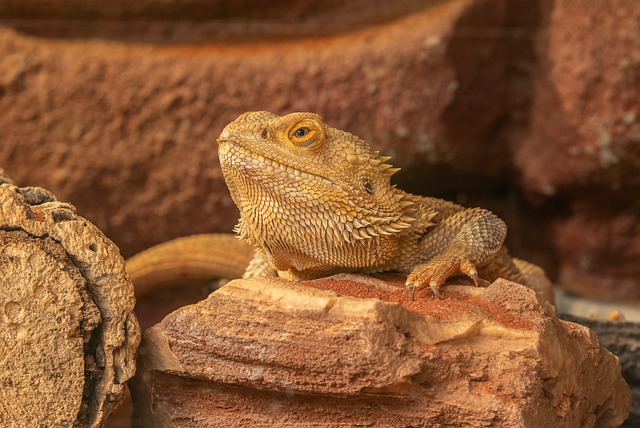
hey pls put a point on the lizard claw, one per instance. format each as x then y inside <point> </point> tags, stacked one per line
<point>435,287</point>
<point>437,271</point>
<point>415,285</point>
<point>408,287</point>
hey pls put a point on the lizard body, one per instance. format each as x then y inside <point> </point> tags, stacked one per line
<point>315,201</point>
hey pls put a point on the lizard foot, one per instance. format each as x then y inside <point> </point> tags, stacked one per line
<point>435,272</point>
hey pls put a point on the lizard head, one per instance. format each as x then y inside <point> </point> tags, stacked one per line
<point>295,175</point>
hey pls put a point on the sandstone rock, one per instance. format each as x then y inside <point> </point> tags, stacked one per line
<point>598,247</point>
<point>339,352</point>
<point>582,155</point>
<point>68,335</point>
<point>585,118</point>
<point>200,20</point>
<point>623,339</point>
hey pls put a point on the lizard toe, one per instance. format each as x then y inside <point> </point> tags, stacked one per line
<point>469,269</point>
<point>421,276</point>
<point>435,287</point>
<point>436,272</point>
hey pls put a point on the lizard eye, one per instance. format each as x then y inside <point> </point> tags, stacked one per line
<point>306,134</point>
<point>264,134</point>
<point>302,132</point>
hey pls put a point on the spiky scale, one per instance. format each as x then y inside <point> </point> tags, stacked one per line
<point>392,171</point>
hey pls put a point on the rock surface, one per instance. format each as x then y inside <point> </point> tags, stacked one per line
<point>585,116</point>
<point>201,20</point>
<point>582,155</point>
<point>623,339</point>
<point>68,335</point>
<point>329,351</point>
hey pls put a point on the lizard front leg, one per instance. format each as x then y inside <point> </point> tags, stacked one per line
<point>457,245</point>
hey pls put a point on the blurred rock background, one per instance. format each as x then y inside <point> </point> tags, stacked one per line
<point>528,108</point>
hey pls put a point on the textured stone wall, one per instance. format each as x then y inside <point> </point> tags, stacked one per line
<point>528,108</point>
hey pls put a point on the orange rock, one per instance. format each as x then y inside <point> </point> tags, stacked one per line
<point>271,352</point>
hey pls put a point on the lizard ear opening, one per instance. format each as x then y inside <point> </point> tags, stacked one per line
<point>368,186</point>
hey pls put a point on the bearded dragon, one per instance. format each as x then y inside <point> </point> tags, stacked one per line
<point>315,201</point>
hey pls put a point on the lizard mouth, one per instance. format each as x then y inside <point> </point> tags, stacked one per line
<point>241,157</point>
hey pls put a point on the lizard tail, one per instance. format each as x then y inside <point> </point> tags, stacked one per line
<point>195,258</point>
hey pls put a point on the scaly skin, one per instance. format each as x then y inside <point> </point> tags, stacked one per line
<point>315,201</point>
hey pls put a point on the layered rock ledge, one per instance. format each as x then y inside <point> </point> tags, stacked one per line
<point>68,335</point>
<point>337,351</point>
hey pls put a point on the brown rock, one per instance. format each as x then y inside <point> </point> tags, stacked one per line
<point>599,248</point>
<point>68,335</point>
<point>585,117</point>
<point>200,20</point>
<point>582,155</point>
<point>623,339</point>
<point>271,352</point>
